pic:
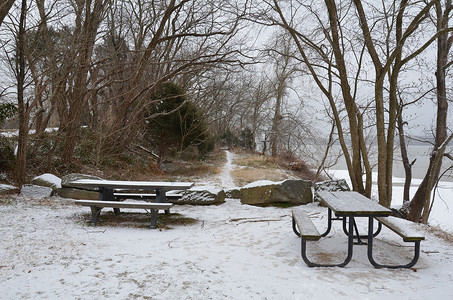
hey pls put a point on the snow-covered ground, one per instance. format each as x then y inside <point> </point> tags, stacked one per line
<point>234,251</point>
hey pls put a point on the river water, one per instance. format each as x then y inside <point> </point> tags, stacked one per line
<point>421,154</point>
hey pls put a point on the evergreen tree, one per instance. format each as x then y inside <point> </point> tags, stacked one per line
<point>175,124</point>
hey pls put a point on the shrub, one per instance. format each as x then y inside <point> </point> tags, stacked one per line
<point>7,110</point>
<point>7,157</point>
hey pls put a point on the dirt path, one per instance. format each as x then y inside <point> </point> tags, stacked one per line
<point>225,176</point>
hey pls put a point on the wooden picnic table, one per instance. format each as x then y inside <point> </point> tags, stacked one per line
<point>132,185</point>
<point>107,187</point>
<point>347,206</point>
<point>107,190</point>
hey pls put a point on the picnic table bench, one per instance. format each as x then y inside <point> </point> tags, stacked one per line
<point>96,207</point>
<point>347,206</point>
<point>143,196</point>
<point>112,192</point>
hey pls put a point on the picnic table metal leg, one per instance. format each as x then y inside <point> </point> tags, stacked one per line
<point>359,237</point>
<point>154,216</point>
<point>329,223</point>
<point>95,212</point>
<point>106,194</point>
<point>294,227</point>
<point>377,265</point>
<point>161,197</point>
<point>346,261</point>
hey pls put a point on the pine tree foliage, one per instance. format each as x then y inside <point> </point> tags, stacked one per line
<point>175,123</point>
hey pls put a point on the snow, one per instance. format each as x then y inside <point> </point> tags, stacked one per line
<point>226,178</point>
<point>54,180</point>
<point>15,133</point>
<point>6,188</point>
<point>130,184</point>
<point>234,251</point>
<point>209,188</point>
<point>261,183</point>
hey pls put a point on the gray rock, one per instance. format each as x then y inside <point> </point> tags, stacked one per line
<point>201,195</point>
<point>48,180</point>
<point>36,191</point>
<point>67,179</point>
<point>331,185</point>
<point>295,192</point>
<point>78,194</point>
<point>233,193</point>
<point>6,189</point>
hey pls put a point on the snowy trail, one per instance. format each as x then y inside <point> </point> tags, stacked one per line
<point>225,176</point>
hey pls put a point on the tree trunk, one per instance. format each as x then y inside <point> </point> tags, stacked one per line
<point>276,119</point>
<point>351,108</point>
<point>4,9</point>
<point>75,100</point>
<point>405,160</point>
<point>21,160</point>
<point>418,208</point>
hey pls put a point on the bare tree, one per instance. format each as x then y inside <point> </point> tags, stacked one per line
<point>322,50</point>
<point>281,55</point>
<point>149,42</point>
<point>337,63</point>
<point>73,90</point>
<point>389,66</point>
<point>21,102</point>
<point>5,6</point>
<point>419,207</point>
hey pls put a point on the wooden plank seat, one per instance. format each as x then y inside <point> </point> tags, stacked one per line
<point>124,195</point>
<point>96,207</point>
<point>305,227</point>
<point>402,228</point>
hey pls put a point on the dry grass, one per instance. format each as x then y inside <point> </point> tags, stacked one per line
<point>259,167</point>
<point>254,167</point>
<point>256,161</point>
<point>247,175</point>
<point>446,236</point>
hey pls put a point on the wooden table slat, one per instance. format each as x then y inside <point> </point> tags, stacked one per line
<point>144,185</point>
<point>352,204</point>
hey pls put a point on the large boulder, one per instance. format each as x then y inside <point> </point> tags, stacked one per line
<point>200,195</point>
<point>295,192</point>
<point>78,194</point>
<point>339,185</point>
<point>68,190</point>
<point>48,180</point>
<point>234,193</point>
<point>68,179</point>
<point>36,191</point>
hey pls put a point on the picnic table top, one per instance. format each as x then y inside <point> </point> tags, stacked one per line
<point>144,185</point>
<point>352,204</point>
